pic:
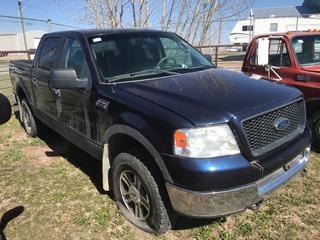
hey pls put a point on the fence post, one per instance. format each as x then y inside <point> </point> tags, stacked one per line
<point>22,28</point>
<point>216,56</point>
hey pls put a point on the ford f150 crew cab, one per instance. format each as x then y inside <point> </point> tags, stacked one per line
<point>174,133</point>
<point>291,58</point>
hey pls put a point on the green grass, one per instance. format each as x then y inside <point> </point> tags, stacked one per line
<point>61,201</point>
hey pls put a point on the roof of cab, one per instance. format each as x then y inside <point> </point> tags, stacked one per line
<point>291,34</point>
<point>95,32</point>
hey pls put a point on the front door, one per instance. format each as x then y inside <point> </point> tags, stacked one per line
<point>279,62</point>
<point>74,107</point>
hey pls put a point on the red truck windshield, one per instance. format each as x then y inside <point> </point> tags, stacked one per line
<point>307,50</point>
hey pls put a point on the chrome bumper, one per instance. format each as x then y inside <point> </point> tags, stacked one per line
<point>216,204</point>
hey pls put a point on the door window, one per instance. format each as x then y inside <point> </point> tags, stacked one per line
<point>49,55</point>
<point>278,54</point>
<point>73,58</point>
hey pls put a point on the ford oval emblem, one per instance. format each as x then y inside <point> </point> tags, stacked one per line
<point>281,123</point>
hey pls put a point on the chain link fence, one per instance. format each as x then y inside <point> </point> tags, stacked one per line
<point>226,56</point>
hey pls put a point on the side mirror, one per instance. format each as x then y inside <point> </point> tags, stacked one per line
<point>208,57</point>
<point>263,51</point>
<point>5,109</point>
<point>66,79</point>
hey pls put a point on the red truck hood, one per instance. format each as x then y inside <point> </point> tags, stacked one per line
<point>312,69</point>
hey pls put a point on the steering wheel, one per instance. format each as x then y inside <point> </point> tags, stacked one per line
<point>165,59</point>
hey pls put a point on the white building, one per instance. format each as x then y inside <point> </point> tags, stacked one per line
<point>15,42</point>
<point>275,20</point>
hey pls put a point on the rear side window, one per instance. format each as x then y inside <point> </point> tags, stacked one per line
<point>49,54</point>
<point>73,57</point>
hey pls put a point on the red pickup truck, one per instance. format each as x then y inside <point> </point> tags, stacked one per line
<point>291,58</point>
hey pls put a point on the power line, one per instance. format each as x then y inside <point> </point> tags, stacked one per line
<point>39,20</point>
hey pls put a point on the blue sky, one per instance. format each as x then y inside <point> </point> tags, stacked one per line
<point>44,9</point>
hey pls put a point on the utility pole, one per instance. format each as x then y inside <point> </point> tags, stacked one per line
<point>22,27</point>
<point>251,25</point>
<point>220,31</point>
<point>49,23</point>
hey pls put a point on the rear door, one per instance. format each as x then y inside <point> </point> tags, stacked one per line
<point>48,59</point>
<point>279,61</point>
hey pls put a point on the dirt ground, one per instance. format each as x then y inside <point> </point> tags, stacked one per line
<point>50,189</point>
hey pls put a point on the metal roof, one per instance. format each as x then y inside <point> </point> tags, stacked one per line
<point>285,11</point>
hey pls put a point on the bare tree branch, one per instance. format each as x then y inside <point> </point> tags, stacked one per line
<point>192,19</point>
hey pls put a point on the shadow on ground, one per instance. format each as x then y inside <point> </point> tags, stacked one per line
<point>185,223</point>
<point>7,217</point>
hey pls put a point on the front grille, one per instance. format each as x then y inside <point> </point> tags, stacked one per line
<point>261,133</point>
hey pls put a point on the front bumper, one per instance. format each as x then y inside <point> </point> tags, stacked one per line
<point>221,203</point>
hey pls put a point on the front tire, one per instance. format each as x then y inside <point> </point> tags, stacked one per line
<point>27,118</point>
<point>137,194</point>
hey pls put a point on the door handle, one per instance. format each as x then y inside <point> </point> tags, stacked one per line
<point>35,82</point>
<point>57,92</point>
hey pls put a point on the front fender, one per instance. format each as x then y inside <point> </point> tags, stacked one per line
<point>135,134</point>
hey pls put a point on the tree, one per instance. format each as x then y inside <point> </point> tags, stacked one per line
<point>192,19</point>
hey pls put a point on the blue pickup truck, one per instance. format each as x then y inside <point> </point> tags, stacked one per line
<point>174,134</point>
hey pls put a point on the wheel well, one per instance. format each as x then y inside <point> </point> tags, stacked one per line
<point>312,107</point>
<point>119,143</point>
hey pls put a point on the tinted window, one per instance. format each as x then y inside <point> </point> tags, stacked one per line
<point>73,57</point>
<point>49,55</point>
<point>247,28</point>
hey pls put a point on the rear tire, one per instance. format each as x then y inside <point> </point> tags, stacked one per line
<point>27,118</point>
<point>134,187</point>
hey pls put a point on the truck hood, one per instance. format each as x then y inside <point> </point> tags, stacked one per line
<point>211,96</point>
<point>312,69</point>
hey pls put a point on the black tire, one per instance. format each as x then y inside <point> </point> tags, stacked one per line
<point>27,118</point>
<point>315,125</point>
<point>5,109</point>
<point>157,221</point>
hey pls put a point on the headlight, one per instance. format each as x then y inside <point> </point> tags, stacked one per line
<point>205,142</point>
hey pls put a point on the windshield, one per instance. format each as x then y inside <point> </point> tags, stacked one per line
<point>307,50</point>
<point>136,56</point>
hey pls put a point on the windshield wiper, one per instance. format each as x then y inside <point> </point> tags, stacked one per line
<point>141,74</point>
<point>199,67</point>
